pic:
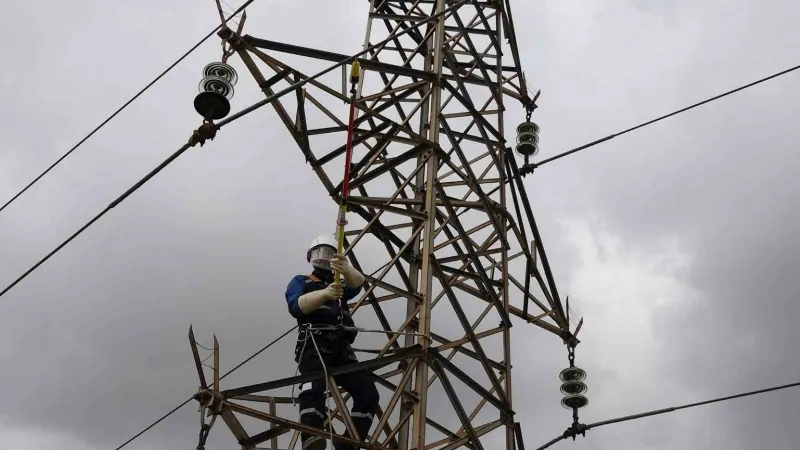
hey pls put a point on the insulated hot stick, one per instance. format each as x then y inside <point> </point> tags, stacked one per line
<point>348,156</point>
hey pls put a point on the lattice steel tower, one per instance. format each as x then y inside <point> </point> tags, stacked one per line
<point>438,220</point>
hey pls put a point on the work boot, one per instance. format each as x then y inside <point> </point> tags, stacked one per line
<point>362,426</point>
<point>314,443</point>
<point>339,445</point>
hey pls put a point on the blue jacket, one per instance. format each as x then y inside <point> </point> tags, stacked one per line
<point>327,313</point>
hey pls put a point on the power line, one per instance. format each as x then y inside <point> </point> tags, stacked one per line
<point>258,352</point>
<point>190,398</point>
<point>124,105</point>
<point>101,214</point>
<point>666,410</point>
<point>156,422</point>
<point>650,122</point>
<point>207,131</point>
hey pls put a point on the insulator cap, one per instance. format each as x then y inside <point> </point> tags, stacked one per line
<point>527,138</point>
<point>527,149</point>
<point>573,388</point>
<point>221,70</point>
<point>211,105</point>
<point>527,127</point>
<point>216,84</point>
<point>574,402</point>
<point>572,374</point>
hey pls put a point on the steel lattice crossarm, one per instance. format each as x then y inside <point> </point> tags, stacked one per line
<point>438,219</point>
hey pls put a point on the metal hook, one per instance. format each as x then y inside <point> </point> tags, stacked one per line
<point>205,428</point>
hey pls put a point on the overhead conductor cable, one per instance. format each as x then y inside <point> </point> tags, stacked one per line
<point>125,105</point>
<point>208,130</point>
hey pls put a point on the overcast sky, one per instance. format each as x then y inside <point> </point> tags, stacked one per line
<point>675,242</point>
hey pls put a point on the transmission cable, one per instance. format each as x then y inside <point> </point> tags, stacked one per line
<point>124,105</point>
<point>190,398</point>
<point>208,130</point>
<point>666,410</point>
<point>101,214</point>
<point>650,122</point>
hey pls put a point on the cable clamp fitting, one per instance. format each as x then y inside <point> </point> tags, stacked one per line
<point>206,131</point>
<point>574,430</point>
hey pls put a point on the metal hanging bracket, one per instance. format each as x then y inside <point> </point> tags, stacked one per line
<point>210,400</point>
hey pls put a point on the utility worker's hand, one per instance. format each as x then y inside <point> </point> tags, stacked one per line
<point>352,277</point>
<point>334,291</point>
<point>339,263</point>
<point>310,302</point>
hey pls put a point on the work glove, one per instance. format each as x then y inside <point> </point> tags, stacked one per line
<point>310,302</point>
<point>334,291</point>
<point>352,277</point>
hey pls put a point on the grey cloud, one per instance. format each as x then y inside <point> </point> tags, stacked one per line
<point>719,178</point>
<point>97,335</point>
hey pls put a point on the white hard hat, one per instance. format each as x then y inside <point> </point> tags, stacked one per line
<point>321,250</point>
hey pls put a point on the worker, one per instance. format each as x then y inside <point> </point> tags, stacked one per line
<point>326,332</point>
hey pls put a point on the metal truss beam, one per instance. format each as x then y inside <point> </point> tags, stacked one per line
<point>430,178</point>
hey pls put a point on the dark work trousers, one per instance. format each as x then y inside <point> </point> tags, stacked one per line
<point>335,352</point>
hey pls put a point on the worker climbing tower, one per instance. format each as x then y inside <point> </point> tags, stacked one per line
<point>437,218</point>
